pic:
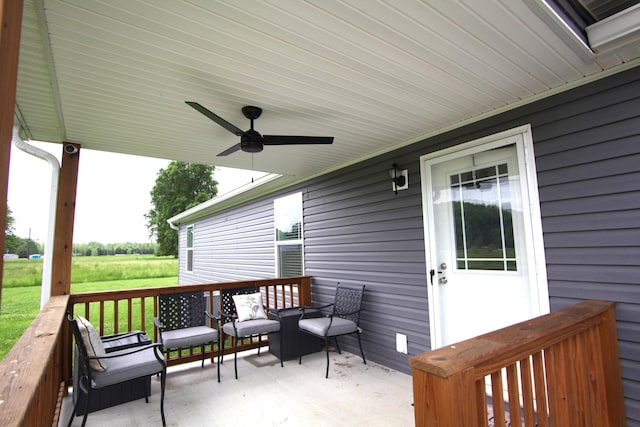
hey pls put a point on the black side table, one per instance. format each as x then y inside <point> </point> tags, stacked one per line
<point>294,342</point>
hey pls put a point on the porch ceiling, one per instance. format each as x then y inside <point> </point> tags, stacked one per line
<point>114,75</point>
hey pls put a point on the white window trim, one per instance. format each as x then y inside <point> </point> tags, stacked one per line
<point>278,243</point>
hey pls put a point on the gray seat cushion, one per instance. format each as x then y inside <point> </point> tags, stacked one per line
<point>189,337</point>
<point>135,365</point>
<point>319,326</point>
<point>251,327</point>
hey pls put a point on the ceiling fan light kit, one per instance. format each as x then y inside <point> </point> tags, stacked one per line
<point>251,141</point>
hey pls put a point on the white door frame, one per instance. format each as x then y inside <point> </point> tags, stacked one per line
<point>535,245</point>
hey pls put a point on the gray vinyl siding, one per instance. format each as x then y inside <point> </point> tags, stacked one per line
<point>236,245</point>
<point>357,231</point>
<point>587,148</point>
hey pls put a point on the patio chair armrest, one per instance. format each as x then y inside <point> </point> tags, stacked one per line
<point>305,308</point>
<point>346,314</point>
<point>137,334</point>
<point>211,316</point>
<point>158,323</point>
<point>157,347</point>
<point>315,307</point>
<point>227,314</point>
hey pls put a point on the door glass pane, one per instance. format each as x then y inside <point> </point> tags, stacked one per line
<point>482,218</point>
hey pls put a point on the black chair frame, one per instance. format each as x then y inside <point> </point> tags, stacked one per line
<point>347,305</point>
<point>184,310</point>
<point>86,383</point>
<point>228,315</point>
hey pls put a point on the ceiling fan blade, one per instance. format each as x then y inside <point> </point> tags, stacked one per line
<point>230,150</point>
<point>219,120</point>
<point>291,139</point>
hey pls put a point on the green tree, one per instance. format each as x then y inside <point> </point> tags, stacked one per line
<point>11,241</point>
<point>11,222</point>
<point>178,187</point>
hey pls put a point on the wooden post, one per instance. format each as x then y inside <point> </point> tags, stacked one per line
<point>65,214</point>
<point>610,356</point>
<point>304,291</point>
<point>10,27</point>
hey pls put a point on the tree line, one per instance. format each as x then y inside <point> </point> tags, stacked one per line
<point>100,249</point>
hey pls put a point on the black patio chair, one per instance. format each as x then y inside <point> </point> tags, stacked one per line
<point>99,369</point>
<point>344,319</point>
<point>181,322</point>
<point>243,316</point>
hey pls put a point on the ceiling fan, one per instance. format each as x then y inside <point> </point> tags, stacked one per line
<point>251,141</point>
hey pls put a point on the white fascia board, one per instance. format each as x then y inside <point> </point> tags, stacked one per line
<point>616,30</point>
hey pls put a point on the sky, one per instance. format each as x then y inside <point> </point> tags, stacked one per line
<point>112,197</point>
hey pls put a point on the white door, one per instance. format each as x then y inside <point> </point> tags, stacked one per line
<point>485,257</point>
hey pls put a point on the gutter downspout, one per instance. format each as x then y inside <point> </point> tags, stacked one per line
<point>53,200</point>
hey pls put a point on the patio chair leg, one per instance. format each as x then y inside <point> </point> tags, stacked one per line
<point>147,390</point>
<point>326,348</point>
<point>73,413</point>
<point>281,353</point>
<point>163,381</point>
<point>203,354</point>
<point>219,352</point>
<point>86,410</point>
<point>360,345</point>
<point>235,356</point>
<point>259,340</point>
<point>337,345</point>
<point>222,340</point>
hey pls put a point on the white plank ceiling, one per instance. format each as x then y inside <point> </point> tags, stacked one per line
<point>113,75</point>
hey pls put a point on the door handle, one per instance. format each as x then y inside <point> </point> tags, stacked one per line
<point>441,280</point>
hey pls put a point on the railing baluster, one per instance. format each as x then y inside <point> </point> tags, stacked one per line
<point>497,398</point>
<point>101,316</point>
<point>527,392</point>
<point>143,318</point>
<point>541,387</point>
<point>513,386</point>
<point>129,308</point>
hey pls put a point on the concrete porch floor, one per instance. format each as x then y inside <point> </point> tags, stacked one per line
<point>267,395</point>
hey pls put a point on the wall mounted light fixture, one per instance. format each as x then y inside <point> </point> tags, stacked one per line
<point>399,178</point>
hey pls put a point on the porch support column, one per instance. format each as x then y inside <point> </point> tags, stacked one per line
<point>65,214</point>
<point>10,27</point>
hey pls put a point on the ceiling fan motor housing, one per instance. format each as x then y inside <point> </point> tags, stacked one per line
<point>251,141</point>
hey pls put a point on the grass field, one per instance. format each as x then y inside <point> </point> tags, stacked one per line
<point>22,278</point>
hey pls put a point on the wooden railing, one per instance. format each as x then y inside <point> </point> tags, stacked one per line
<point>32,381</point>
<point>561,369</point>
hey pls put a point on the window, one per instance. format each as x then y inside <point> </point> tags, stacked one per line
<point>190,248</point>
<point>288,235</point>
<point>483,219</point>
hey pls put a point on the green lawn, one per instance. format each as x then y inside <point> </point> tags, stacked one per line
<point>22,278</point>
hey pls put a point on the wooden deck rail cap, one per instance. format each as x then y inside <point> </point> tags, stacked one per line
<point>516,341</point>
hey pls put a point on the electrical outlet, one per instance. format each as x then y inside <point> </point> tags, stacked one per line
<point>401,343</point>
